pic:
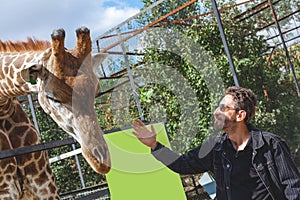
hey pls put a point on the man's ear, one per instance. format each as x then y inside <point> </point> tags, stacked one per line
<point>241,115</point>
<point>98,58</point>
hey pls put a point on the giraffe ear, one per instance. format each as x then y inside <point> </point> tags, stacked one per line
<point>98,58</point>
<point>30,72</point>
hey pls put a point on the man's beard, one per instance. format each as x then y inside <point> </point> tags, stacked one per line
<point>222,122</point>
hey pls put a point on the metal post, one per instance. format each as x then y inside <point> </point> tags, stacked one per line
<point>79,168</point>
<point>36,125</point>
<point>285,48</point>
<point>130,75</point>
<point>98,46</point>
<point>98,50</point>
<point>221,29</point>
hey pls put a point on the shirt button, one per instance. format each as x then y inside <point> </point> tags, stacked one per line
<point>228,166</point>
<point>227,187</point>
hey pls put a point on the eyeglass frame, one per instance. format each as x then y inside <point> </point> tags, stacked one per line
<point>224,108</point>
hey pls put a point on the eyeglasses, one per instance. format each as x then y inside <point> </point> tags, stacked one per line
<point>225,108</point>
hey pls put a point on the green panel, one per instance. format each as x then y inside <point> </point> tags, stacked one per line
<point>135,173</point>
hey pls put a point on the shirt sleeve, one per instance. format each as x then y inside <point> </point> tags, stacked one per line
<point>193,162</point>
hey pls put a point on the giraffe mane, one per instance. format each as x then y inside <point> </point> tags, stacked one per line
<point>31,44</point>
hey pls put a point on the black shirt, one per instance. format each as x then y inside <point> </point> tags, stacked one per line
<point>245,182</point>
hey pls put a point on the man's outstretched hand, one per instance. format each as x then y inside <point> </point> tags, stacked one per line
<point>146,136</point>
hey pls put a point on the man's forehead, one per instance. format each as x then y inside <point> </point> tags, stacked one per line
<point>227,99</point>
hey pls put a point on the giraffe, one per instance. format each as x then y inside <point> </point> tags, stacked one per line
<point>66,86</point>
<point>27,176</point>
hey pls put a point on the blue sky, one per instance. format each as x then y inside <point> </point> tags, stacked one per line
<point>20,19</point>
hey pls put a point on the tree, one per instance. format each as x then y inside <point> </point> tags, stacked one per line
<point>278,103</point>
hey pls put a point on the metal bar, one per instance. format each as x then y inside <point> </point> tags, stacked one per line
<point>127,53</point>
<point>112,88</point>
<point>270,57</point>
<point>289,40</point>
<point>101,193</point>
<point>110,78</point>
<point>98,50</point>
<point>285,48</point>
<point>98,45</point>
<point>131,79</point>
<point>208,13</point>
<point>278,20</point>
<point>251,9</point>
<point>65,155</point>
<point>131,18</point>
<point>284,32</point>
<point>115,35</point>
<point>87,189</point>
<point>221,29</point>
<point>256,9</point>
<point>45,146</point>
<point>176,21</point>
<point>149,25</point>
<point>123,71</point>
<point>38,147</point>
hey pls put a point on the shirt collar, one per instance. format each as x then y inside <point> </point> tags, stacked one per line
<point>256,139</point>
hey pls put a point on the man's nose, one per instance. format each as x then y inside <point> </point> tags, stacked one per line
<point>217,111</point>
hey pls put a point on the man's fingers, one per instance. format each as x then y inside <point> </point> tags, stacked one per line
<point>141,131</point>
<point>137,124</point>
<point>140,123</point>
<point>152,128</point>
<point>135,133</point>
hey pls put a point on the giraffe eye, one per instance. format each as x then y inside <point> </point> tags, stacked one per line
<point>33,73</point>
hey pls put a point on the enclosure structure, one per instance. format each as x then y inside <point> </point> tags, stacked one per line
<point>124,45</point>
<point>123,42</point>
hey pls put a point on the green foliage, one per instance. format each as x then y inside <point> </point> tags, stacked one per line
<point>281,96</point>
<point>278,112</point>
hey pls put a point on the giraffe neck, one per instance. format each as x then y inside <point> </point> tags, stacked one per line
<point>15,73</point>
<point>23,179</point>
<point>6,108</point>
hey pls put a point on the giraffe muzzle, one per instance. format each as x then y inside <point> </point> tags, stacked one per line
<point>101,164</point>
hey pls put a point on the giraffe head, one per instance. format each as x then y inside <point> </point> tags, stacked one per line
<point>67,88</point>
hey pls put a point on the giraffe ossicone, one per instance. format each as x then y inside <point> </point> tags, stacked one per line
<point>66,86</point>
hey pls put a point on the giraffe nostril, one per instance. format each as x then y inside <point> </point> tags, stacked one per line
<point>99,162</point>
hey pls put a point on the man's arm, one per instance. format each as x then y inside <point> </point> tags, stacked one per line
<point>193,162</point>
<point>288,173</point>
<point>189,163</point>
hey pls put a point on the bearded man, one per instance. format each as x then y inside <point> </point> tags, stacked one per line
<point>246,162</point>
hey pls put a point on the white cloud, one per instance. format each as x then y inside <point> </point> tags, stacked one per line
<point>113,17</point>
<point>22,18</point>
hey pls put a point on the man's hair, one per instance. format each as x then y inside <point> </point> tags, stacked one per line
<point>244,99</point>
